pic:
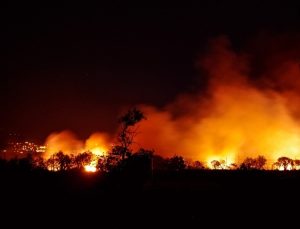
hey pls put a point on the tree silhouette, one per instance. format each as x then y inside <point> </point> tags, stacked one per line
<point>64,161</point>
<point>285,163</point>
<point>216,164</point>
<point>254,163</point>
<point>59,161</point>
<point>52,163</point>
<point>198,165</point>
<point>296,164</point>
<point>176,163</point>
<point>25,163</point>
<point>140,164</point>
<point>248,163</point>
<point>110,162</point>
<point>233,166</point>
<point>127,132</point>
<point>159,163</point>
<point>82,159</point>
<point>39,162</point>
<point>121,152</point>
<point>260,162</point>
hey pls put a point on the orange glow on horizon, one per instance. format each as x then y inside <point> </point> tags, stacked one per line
<point>234,118</point>
<point>69,144</point>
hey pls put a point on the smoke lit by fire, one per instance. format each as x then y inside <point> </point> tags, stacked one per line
<point>237,117</point>
<point>244,112</point>
<point>68,143</point>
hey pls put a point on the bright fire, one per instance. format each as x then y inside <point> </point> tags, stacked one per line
<point>68,143</point>
<point>289,167</point>
<point>97,144</point>
<point>90,168</point>
<point>97,152</point>
<point>250,107</point>
<point>237,116</point>
<point>225,163</point>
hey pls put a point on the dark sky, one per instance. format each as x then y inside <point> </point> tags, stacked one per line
<point>78,68</point>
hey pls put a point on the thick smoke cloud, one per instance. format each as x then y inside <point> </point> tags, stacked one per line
<point>250,107</point>
<point>244,112</point>
<point>67,142</point>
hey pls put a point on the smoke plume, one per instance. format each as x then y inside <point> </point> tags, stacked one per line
<point>244,112</point>
<point>68,143</point>
<point>250,107</point>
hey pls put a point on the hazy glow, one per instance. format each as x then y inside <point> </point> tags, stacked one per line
<point>237,118</point>
<point>228,161</point>
<point>97,143</point>
<point>68,143</point>
<point>234,118</point>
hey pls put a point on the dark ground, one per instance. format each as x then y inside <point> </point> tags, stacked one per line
<point>203,198</point>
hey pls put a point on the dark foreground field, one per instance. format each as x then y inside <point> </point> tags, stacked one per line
<point>217,198</point>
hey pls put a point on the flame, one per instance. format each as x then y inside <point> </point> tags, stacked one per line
<point>64,141</point>
<point>227,161</point>
<point>244,111</point>
<point>97,143</point>
<point>68,143</point>
<point>237,116</point>
<point>90,168</point>
<point>289,167</point>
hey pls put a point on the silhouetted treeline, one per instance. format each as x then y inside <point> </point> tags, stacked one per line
<point>121,157</point>
<point>143,159</point>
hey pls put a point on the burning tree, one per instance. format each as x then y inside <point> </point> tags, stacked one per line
<point>216,164</point>
<point>254,163</point>
<point>284,163</point>
<point>121,152</point>
<point>296,164</point>
<point>59,161</point>
<point>83,159</point>
<point>64,161</point>
<point>260,162</point>
<point>197,165</point>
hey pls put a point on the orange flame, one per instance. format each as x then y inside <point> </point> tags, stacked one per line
<point>90,168</point>
<point>234,119</point>
<point>237,116</point>
<point>68,143</point>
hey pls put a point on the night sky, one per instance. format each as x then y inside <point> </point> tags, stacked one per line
<point>79,68</point>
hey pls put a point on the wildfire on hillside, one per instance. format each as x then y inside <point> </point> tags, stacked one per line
<point>237,116</point>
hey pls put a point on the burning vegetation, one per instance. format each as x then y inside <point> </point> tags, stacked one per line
<point>250,107</point>
<point>244,112</point>
<point>88,153</point>
<point>247,118</point>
